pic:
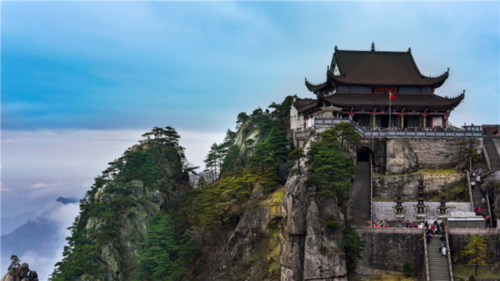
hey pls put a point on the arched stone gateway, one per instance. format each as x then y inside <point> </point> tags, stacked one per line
<point>363,153</point>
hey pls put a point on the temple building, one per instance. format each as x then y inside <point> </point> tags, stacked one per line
<point>358,84</point>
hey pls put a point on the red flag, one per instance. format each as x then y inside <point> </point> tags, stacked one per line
<point>393,97</point>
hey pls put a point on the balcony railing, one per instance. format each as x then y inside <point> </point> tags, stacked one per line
<point>386,133</point>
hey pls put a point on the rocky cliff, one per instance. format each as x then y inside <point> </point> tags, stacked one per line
<point>311,249</point>
<point>110,231</point>
<point>21,273</point>
<point>141,220</point>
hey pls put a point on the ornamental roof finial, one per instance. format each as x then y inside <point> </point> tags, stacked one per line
<point>409,50</point>
<point>336,48</point>
<point>373,46</point>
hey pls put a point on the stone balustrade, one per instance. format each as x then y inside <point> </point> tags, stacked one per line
<point>375,133</point>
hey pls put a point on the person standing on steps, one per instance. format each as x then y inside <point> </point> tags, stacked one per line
<point>443,239</point>
<point>443,251</point>
<point>428,236</point>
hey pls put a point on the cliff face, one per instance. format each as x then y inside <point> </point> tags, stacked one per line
<point>311,250</point>
<point>111,229</point>
<point>141,220</point>
<point>118,257</point>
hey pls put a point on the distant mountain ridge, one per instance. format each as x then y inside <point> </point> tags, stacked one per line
<point>67,201</point>
<point>41,235</point>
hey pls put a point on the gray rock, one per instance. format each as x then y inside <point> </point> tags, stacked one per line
<point>8,277</point>
<point>400,157</point>
<point>295,202</point>
<point>323,257</point>
<point>292,258</point>
<point>33,276</point>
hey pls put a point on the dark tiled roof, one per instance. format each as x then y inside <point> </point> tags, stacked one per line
<point>314,87</point>
<point>305,104</point>
<point>375,68</point>
<point>381,68</point>
<point>382,100</point>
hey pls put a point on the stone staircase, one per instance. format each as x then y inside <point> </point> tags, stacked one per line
<point>489,145</point>
<point>360,203</point>
<point>438,264</point>
<point>477,196</point>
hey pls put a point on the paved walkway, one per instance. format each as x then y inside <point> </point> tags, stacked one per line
<point>492,151</point>
<point>438,264</point>
<point>360,206</point>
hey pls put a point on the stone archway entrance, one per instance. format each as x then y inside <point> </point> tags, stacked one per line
<point>363,154</point>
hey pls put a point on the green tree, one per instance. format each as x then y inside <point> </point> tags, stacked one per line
<point>330,171</point>
<point>277,145</point>
<point>168,249</point>
<point>407,271</point>
<point>14,264</point>
<point>249,146</point>
<point>476,251</point>
<point>256,113</point>
<point>472,278</point>
<point>347,133</point>
<point>282,110</point>
<point>353,246</point>
<point>241,119</point>
<point>296,155</point>
<point>202,183</point>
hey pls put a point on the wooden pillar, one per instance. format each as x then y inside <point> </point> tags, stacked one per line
<point>374,119</point>
<point>424,121</point>
<point>402,121</point>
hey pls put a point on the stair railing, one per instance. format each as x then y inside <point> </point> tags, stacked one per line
<point>470,193</point>
<point>486,156</point>
<point>489,209</point>
<point>427,275</point>
<point>371,192</point>
<point>450,268</point>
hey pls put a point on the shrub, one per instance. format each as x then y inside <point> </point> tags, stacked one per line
<point>333,225</point>
<point>407,271</point>
<point>132,214</point>
<point>472,278</point>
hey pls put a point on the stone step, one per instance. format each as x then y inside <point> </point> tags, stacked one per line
<point>438,265</point>
<point>490,147</point>
<point>360,202</point>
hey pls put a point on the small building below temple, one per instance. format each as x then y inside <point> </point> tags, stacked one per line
<point>359,85</point>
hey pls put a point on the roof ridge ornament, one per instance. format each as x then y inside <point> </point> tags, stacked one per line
<point>336,48</point>
<point>409,50</point>
<point>373,46</point>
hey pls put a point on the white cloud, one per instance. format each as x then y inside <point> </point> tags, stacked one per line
<point>76,158</point>
<point>39,185</point>
<point>42,185</point>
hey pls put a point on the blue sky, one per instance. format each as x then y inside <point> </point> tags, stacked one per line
<point>115,65</point>
<point>81,81</point>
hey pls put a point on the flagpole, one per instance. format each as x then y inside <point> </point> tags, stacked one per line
<point>390,109</point>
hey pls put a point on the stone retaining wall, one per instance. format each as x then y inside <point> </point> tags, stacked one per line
<point>389,186</point>
<point>387,249</point>
<point>459,238</point>
<point>385,210</point>
<point>407,155</point>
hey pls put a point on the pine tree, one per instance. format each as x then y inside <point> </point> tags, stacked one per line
<point>296,155</point>
<point>277,145</point>
<point>15,261</point>
<point>241,119</point>
<point>353,246</point>
<point>249,146</point>
<point>476,251</point>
